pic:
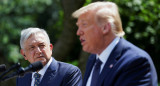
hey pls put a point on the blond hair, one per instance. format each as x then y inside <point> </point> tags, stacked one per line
<point>104,12</point>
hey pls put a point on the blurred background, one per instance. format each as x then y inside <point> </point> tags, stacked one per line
<point>140,18</point>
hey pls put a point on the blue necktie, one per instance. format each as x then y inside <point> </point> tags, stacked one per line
<point>37,79</point>
<point>96,72</point>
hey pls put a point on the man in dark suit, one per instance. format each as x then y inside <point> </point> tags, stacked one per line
<point>36,46</point>
<point>114,61</point>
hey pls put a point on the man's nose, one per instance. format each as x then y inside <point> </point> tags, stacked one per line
<point>38,50</point>
<point>79,32</point>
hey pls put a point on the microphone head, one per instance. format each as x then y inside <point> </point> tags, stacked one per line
<point>37,66</point>
<point>2,67</point>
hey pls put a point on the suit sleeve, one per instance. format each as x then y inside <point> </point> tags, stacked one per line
<point>137,72</point>
<point>73,77</point>
<point>17,81</point>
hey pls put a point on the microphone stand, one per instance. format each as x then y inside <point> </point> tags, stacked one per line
<point>17,65</point>
<point>15,74</point>
<point>21,71</point>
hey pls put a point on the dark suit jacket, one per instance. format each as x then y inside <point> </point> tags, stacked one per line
<point>127,65</point>
<point>57,74</point>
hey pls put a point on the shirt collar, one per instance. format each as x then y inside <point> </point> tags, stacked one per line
<point>105,54</point>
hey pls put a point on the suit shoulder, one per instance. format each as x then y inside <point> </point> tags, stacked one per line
<point>71,74</point>
<point>69,70</point>
<point>67,66</point>
<point>134,51</point>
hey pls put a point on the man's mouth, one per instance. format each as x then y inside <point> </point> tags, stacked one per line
<point>82,41</point>
<point>40,57</point>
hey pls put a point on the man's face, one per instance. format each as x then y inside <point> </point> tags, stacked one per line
<point>91,35</point>
<point>36,48</point>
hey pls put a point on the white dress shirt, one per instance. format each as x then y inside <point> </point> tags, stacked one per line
<point>42,72</point>
<point>104,57</point>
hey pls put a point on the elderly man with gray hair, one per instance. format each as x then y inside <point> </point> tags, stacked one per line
<point>36,46</point>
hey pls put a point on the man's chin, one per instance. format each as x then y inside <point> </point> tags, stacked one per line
<point>44,62</point>
<point>85,49</point>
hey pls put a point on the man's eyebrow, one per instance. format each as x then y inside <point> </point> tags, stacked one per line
<point>30,45</point>
<point>42,43</point>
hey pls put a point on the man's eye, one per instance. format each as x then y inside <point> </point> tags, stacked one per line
<point>84,24</point>
<point>31,48</point>
<point>42,46</point>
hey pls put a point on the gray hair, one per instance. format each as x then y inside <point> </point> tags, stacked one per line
<point>26,33</point>
<point>104,11</point>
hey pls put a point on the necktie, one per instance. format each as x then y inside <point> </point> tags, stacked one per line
<point>96,72</point>
<point>37,79</point>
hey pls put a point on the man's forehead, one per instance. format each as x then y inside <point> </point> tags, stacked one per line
<point>36,38</point>
<point>37,43</point>
<point>86,17</point>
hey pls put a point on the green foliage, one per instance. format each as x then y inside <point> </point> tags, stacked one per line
<point>75,62</point>
<point>57,27</point>
<point>16,15</point>
<point>13,55</point>
<point>87,2</point>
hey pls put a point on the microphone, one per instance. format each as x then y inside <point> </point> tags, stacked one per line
<point>21,71</point>
<point>33,67</point>
<point>2,67</point>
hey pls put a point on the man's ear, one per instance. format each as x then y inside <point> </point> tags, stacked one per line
<point>106,28</point>
<point>51,47</point>
<point>23,54</point>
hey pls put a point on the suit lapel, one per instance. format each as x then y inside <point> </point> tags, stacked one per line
<point>50,73</point>
<point>27,79</point>
<point>90,64</point>
<point>114,56</point>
